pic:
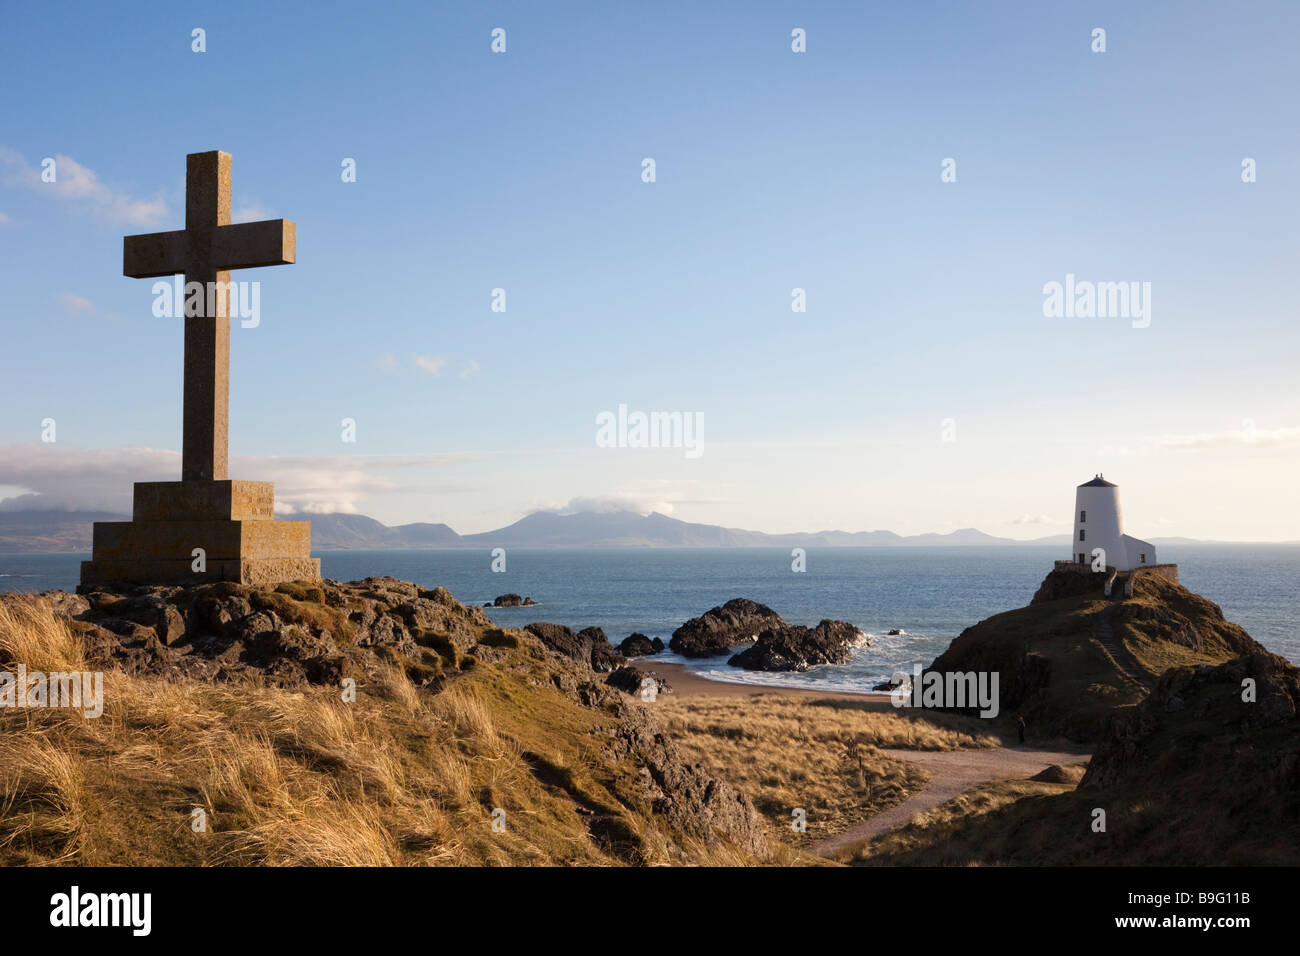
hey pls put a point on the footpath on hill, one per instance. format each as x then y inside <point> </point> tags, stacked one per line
<point>952,773</point>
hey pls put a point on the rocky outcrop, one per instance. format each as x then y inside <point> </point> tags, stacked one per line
<point>313,632</point>
<point>511,600</point>
<point>796,648</point>
<point>719,629</point>
<point>1065,584</point>
<point>692,801</point>
<point>1210,696</point>
<point>1074,655</point>
<point>1181,617</point>
<point>590,645</point>
<point>638,645</point>
<point>633,680</point>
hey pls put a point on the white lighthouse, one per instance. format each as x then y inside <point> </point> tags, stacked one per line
<point>1099,524</point>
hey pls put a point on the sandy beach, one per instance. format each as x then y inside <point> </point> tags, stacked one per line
<point>686,684</point>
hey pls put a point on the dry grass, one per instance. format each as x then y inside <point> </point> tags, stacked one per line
<point>937,837</point>
<point>819,755</point>
<point>32,634</point>
<point>400,777</point>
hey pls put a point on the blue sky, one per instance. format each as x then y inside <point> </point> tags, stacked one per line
<point>775,170</point>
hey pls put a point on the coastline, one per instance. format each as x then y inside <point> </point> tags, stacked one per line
<point>687,684</point>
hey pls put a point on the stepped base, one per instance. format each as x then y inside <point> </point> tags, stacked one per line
<point>257,571</point>
<point>229,525</point>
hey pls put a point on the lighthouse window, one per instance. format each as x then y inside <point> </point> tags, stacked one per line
<point>1080,534</point>
<point>1144,557</point>
<point>1083,516</point>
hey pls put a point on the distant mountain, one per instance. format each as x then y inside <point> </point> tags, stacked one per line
<point>545,529</point>
<point>63,531</point>
<point>49,532</point>
<point>347,532</point>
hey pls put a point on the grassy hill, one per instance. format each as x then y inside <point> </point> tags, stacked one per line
<point>1058,672</point>
<point>447,728</point>
<point>1195,775</point>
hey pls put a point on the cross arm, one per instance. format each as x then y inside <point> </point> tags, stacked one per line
<point>153,254</point>
<point>248,245</point>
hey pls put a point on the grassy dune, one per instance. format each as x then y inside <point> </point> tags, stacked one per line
<point>819,755</point>
<point>403,776</point>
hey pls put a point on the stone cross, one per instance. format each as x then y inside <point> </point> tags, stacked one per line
<point>205,250</point>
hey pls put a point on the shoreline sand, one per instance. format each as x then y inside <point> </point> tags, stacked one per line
<point>686,684</point>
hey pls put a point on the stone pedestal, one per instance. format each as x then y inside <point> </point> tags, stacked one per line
<point>232,521</point>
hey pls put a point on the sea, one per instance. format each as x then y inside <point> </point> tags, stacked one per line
<point>930,594</point>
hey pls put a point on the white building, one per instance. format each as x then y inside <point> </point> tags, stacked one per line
<point>1099,523</point>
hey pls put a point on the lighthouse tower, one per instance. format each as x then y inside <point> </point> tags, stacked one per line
<point>1099,524</point>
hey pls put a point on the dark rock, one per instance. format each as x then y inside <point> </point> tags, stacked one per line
<point>68,604</point>
<point>1132,745</point>
<point>440,595</point>
<point>169,624</point>
<point>213,613</point>
<point>386,629</point>
<point>598,696</point>
<point>692,801</point>
<point>564,683</point>
<point>638,645</point>
<point>249,628</point>
<point>508,600</point>
<point>719,629</point>
<point>1064,584</point>
<point>389,590</point>
<point>796,648</point>
<point>289,635</point>
<point>296,642</point>
<point>603,656</point>
<point>590,646</point>
<point>633,680</point>
<point>327,669</point>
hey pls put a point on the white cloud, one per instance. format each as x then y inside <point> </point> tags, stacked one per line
<point>431,363</point>
<point>1027,519</point>
<point>1246,435</point>
<point>611,504</point>
<point>38,475</point>
<point>4,219</point>
<point>470,368</point>
<point>74,304</point>
<point>81,186</point>
<point>643,496</point>
<point>388,365</point>
<point>249,210</point>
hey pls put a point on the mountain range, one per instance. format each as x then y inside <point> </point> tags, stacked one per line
<point>33,532</point>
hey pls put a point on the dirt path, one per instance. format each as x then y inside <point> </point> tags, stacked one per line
<point>952,773</point>
<point>1124,661</point>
